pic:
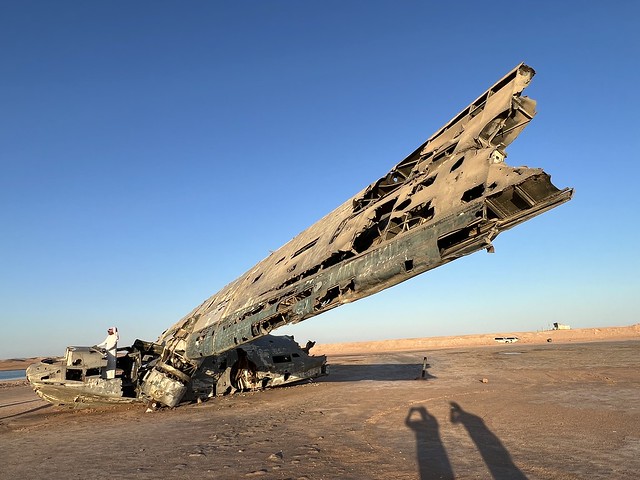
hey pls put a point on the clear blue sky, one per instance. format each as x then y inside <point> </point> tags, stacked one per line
<point>151,152</point>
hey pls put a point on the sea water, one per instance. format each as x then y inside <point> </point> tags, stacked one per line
<point>12,375</point>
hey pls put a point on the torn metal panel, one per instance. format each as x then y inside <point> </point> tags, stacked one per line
<point>450,197</point>
<point>143,374</point>
<point>80,378</point>
<point>269,361</point>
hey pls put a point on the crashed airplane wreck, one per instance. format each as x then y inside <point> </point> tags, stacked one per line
<point>450,197</point>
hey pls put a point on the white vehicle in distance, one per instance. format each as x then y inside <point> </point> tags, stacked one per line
<point>506,339</point>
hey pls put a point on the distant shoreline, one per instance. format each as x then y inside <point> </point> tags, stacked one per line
<point>18,363</point>
<point>578,335</point>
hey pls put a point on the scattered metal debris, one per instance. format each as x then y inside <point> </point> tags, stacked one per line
<point>77,379</point>
<point>425,367</point>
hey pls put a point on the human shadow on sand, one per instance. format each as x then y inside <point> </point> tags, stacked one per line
<point>493,452</point>
<point>380,372</point>
<point>433,461</point>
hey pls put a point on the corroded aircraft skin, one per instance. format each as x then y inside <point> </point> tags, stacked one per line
<point>450,197</point>
<point>78,378</point>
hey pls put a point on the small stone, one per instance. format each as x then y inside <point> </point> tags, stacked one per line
<point>276,457</point>
<point>485,380</point>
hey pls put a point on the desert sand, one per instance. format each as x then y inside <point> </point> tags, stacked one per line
<point>565,409</point>
<point>430,343</point>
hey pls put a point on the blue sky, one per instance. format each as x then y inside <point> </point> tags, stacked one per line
<point>152,152</point>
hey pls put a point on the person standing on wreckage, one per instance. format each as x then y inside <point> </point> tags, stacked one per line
<point>110,344</point>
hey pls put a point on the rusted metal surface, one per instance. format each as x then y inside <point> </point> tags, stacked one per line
<point>450,197</point>
<point>79,378</point>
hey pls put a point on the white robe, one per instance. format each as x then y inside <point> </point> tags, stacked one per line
<point>110,344</point>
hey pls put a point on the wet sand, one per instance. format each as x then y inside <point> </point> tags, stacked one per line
<point>545,411</point>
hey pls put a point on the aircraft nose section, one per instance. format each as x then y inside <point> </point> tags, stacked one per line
<point>42,371</point>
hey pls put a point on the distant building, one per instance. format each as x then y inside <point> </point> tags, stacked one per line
<point>560,326</point>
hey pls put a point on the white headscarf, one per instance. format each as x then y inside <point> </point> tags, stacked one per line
<point>115,332</point>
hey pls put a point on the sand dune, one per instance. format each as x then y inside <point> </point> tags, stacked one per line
<point>18,363</point>
<point>631,332</point>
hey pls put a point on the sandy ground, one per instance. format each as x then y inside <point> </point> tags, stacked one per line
<point>546,411</point>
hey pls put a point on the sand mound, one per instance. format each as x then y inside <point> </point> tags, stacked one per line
<point>604,334</point>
